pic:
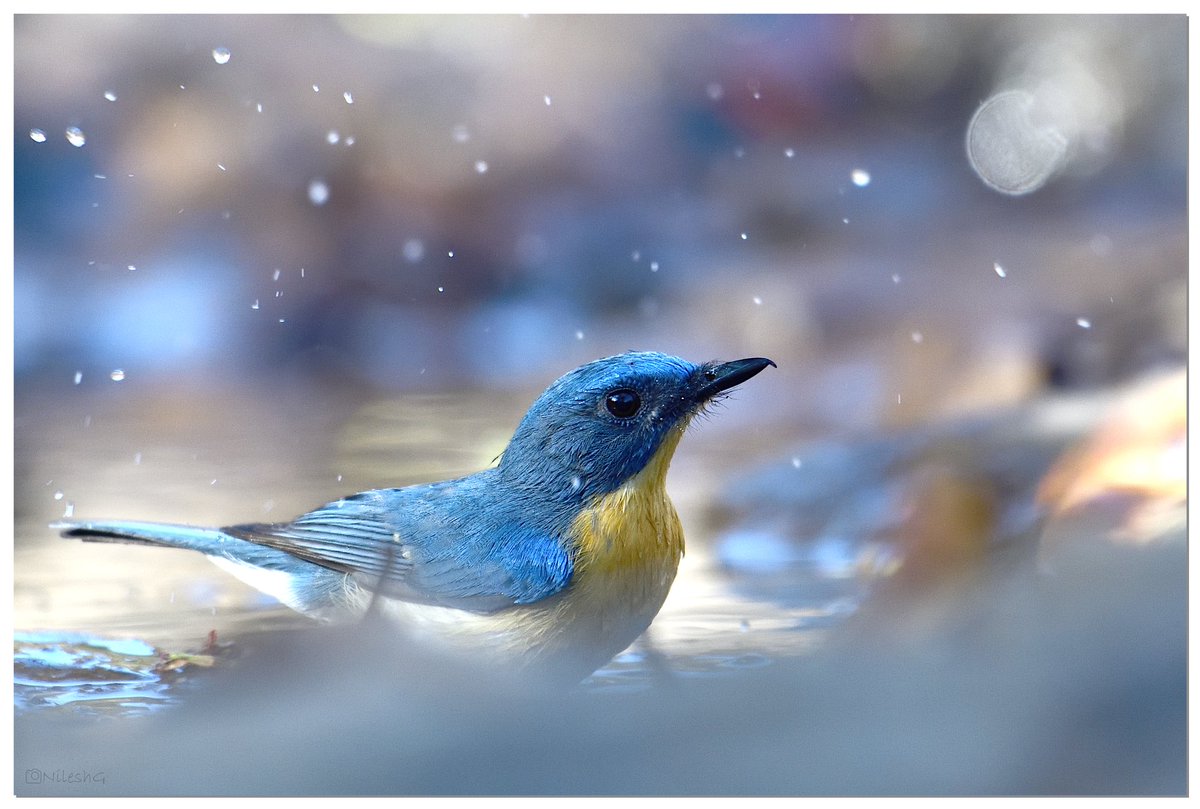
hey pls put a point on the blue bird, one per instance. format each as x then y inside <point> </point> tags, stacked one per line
<point>560,555</point>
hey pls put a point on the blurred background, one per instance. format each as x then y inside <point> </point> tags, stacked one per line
<point>265,261</point>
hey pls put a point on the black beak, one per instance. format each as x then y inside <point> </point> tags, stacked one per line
<point>725,375</point>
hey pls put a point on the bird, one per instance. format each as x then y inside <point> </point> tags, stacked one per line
<point>557,556</point>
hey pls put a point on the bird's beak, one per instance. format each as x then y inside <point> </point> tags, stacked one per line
<point>726,375</point>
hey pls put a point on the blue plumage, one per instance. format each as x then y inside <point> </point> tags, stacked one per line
<point>502,542</point>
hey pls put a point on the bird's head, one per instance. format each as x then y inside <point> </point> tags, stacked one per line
<point>602,423</point>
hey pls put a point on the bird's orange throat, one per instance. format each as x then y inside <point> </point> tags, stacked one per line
<point>635,527</point>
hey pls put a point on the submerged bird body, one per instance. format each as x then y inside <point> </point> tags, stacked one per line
<point>561,554</point>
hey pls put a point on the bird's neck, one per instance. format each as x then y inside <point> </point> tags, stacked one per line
<point>633,527</point>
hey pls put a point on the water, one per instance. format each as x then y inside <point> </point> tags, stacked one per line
<point>769,661</point>
<point>156,455</point>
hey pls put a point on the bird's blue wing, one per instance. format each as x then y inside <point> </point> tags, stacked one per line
<point>425,544</point>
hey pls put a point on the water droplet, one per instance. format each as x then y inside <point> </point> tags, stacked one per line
<point>221,55</point>
<point>137,459</point>
<point>895,278</point>
<point>221,167</point>
<point>845,220</point>
<point>339,480</point>
<point>715,91</point>
<point>999,270</point>
<point>441,290</point>
<point>414,250</point>
<point>744,236</point>
<point>481,166</point>
<point>78,377</point>
<point>739,152</point>
<point>318,192</point>
<point>75,136</point>
<point>255,304</point>
<point>258,106</point>
<point>131,267</point>
<point>653,266</point>
<point>1083,322</point>
<point>58,495</point>
<point>37,136</point>
<point>797,463</point>
<point>275,275</point>
<point>332,137</point>
<point>917,337</point>
<point>213,482</point>
<point>349,98</point>
<point>789,152</point>
<point>860,177</point>
<point>547,100</point>
<point>460,133</point>
<point>316,89</point>
<point>109,95</point>
<point>1017,141</point>
<point>576,483</point>
<point>349,140</point>
<point>578,335</point>
<point>636,255</point>
<point>757,301</point>
<point>100,176</point>
<point>69,511</point>
<point>450,253</point>
<point>283,320</point>
<point>117,375</point>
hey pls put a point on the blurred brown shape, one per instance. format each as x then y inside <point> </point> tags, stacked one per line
<point>947,525</point>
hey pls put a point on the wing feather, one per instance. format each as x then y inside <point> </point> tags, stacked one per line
<point>408,544</point>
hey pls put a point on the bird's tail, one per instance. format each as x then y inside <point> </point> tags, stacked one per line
<point>305,587</point>
<point>205,540</point>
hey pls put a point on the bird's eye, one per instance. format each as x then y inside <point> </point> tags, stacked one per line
<point>709,374</point>
<point>623,403</point>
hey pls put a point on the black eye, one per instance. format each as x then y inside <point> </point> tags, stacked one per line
<point>623,403</point>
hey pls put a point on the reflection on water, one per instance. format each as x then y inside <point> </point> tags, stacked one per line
<point>94,675</point>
